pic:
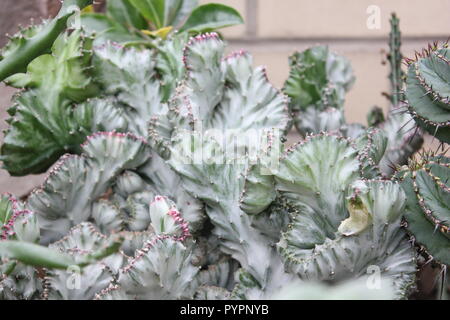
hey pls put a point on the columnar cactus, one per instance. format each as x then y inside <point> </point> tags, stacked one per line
<point>403,138</point>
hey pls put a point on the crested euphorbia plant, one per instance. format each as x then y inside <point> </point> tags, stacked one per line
<point>75,83</point>
<point>317,85</point>
<point>189,193</point>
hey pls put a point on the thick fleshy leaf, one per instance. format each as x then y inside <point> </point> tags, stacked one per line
<point>27,49</point>
<point>163,180</point>
<point>86,246</point>
<point>317,84</point>
<point>43,124</point>
<point>61,204</point>
<point>220,184</point>
<point>427,212</point>
<point>35,255</point>
<point>319,78</point>
<point>316,173</point>
<point>376,209</point>
<point>130,75</point>
<point>125,13</point>
<point>152,10</point>
<point>161,270</point>
<point>210,17</point>
<point>428,93</point>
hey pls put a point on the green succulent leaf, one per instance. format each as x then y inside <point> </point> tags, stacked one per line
<point>427,212</point>
<point>169,63</point>
<point>161,270</point>
<point>221,94</point>
<point>210,17</point>
<point>428,93</point>
<point>43,123</point>
<point>125,13</point>
<point>152,10</point>
<point>220,185</point>
<point>62,204</point>
<point>34,255</point>
<point>374,222</point>
<point>16,223</point>
<point>317,84</point>
<point>97,264</point>
<point>27,49</point>
<point>130,76</point>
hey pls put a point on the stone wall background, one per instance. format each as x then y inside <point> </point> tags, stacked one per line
<point>274,29</point>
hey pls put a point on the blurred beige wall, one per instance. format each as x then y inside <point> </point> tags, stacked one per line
<point>274,29</point>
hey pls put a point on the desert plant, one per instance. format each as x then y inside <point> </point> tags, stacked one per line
<point>21,256</point>
<point>32,42</point>
<point>317,85</point>
<point>425,178</point>
<point>234,198</point>
<point>425,181</point>
<point>219,92</point>
<point>309,218</point>
<point>184,190</point>
<point>68,91</point>
<point>427,90</point>
<point>137,21</point>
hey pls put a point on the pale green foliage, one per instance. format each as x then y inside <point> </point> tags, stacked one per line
<point>185,190</point>
<point>317,85</point>
<point>220,93</point>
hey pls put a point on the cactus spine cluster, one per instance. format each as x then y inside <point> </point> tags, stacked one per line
<point>427,90</point>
